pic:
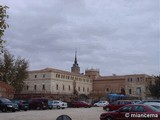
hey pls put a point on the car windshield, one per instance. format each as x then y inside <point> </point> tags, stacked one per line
<point>24,102</point>
<point>156,106</point>
<point>5,100</point>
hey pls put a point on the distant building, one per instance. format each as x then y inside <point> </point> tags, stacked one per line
<point>52,82</point>
<point>135,85</point>
<point>6,90</point>
<point>138,85</point>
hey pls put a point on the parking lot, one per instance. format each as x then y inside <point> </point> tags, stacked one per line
<point>75,113</point>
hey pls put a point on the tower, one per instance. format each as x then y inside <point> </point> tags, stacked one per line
<point>75,68</point>
<point>92,73</point>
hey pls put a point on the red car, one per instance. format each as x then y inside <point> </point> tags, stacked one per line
<point>132,112</point>
<point>117,104</point>
<point>38,103</point>
<point>81,104</point>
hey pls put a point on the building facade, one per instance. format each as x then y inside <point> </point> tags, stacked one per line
<point>55,82</point>
<point>135,85</point>
<point>138,85</point>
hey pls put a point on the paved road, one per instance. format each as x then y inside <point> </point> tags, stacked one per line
<point>75,113</point>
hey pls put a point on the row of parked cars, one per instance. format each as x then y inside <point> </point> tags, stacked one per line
<point>38,104</point>
<point>132,110</point>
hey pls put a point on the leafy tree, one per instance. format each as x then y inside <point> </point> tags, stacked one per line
<point>3,25</point>
<point>155,88</point>
<point>13,71</point>
<point>6,67</point>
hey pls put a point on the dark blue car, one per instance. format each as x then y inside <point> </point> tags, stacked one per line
<point>7,105</point>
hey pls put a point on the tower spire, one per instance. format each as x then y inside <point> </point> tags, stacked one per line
<point>75,68</point>
<point>75,61</point>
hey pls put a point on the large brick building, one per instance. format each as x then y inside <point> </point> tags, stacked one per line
<point>134,85</point>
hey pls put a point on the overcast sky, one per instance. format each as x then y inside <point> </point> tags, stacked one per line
<point>115,36</point>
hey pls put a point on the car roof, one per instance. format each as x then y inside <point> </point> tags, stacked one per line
<point>124,100</point>
<point>151,100</point>
<point>136,104</point>
<point>152,103</point>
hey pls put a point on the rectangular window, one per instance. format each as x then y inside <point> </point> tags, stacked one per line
<point>44,75</point>
<point>43,87</point>
<point>27,87</point>
<point>69,88</point>
<point>130,91</point>
<point>35,76</point>
<point>129,79</point>
<point>63,87</point>
<point>138,90</point>
<point>87,89</point>
<point>57,87</point>
<point>79,89</point>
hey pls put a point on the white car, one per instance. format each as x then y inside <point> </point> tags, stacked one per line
<point>58,104</point>
<point>101,103</point>
<point>154,104</point>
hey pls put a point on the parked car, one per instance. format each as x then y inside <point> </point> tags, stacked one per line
<point>101,103</point>
<point>38,103</point>
<point>50,104</point>
<point>22,104</point>
<point>143,101</point>
<point>81,104</point>
<point>154,104</point>
<point>136,101</point>
<point>58,104</point>
<point>7,105</point>
<point>132,112</point>
<point>117,104</point>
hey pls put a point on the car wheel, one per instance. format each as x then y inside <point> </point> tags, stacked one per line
<point>4,109</point>
<point>13,110</point>
<point>107,109</point>
<point>58,107</point>
<point>108,118</point>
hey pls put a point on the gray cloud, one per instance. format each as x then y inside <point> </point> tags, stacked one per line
<point>119,37</point>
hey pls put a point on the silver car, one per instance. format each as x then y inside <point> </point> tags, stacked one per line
<point>58,104</point>
<point>101,103</point>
